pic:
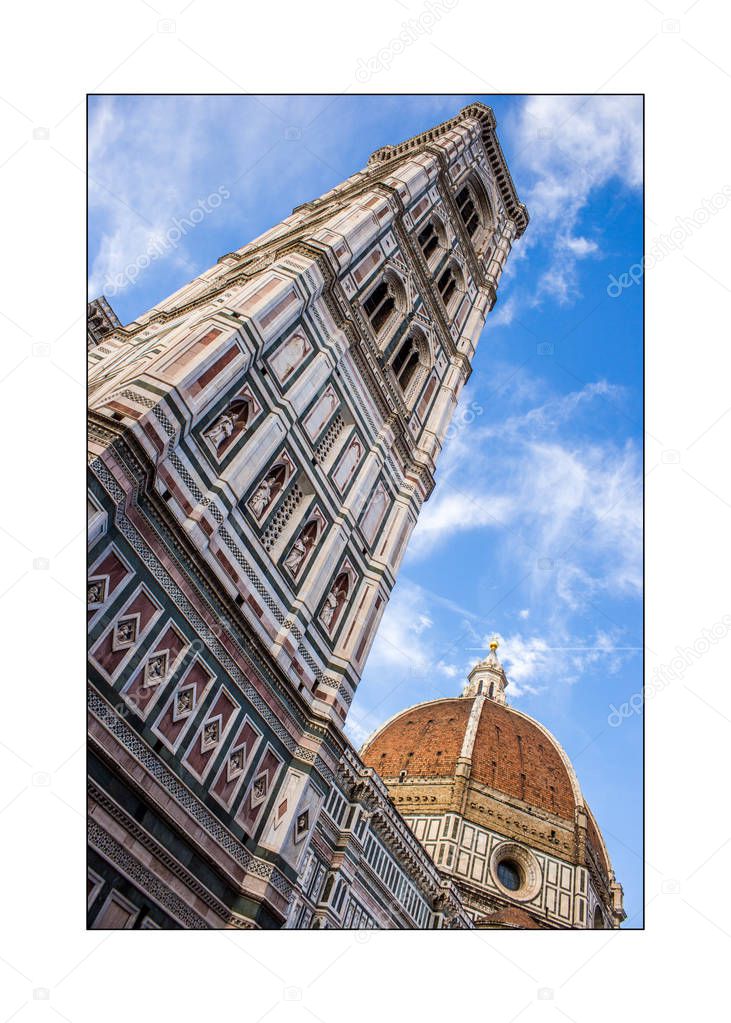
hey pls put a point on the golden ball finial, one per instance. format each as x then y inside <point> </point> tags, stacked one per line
<point>494,644</point>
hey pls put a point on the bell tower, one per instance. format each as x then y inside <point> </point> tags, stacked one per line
<point>261,445</point>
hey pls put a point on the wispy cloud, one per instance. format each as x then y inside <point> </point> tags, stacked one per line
<point>567,148</point>
<point>569,510</point>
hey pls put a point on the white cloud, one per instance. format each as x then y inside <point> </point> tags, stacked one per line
<point>404,646</point>
<point>580,246</point>
<point>567,147</point>
<point>536,664</point>
<point>569,512</point>
<point>504,313</point>
<point>130,207</point>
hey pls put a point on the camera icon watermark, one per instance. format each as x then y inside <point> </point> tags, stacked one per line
<point>670,886</point>
<point>362,936</point>
<point>670,457</point>
<point>546,564</point>
<point>41,134</point>
<point>671,26</point>
<point>41,564</point>
<point>41,780</point>
<point>545,994</point>
<point>41,349</point>
<point>166,26</point>
<point>41,994</point>
<point>545,348</point>
<point>544,132</point>
<point>292,993</point>
<point>292,133</point>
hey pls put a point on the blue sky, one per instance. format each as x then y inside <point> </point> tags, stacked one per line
<point>533,532</point>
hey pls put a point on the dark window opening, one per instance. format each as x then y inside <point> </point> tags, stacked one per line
<point>405,363</point>
<point>509,875</point>
<point>379,305</point>
<point>447,285</point>
<point>428,240</point>
<point>467,211</point>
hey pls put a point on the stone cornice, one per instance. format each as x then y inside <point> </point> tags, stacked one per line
<point>387,155</point>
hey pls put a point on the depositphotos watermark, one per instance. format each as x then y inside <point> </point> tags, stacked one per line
<point>672,241</point>
<point>159,245</point>
<point>411,31</point>
<point>685,658</point>
<point>462,418</point>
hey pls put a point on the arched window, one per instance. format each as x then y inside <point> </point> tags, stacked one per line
<point>384,303</point>
<point>428,241</point>
<point>405,363</point>
<point>411,358</point>
<point>475,212</point>
<point>468,209</point>
<point>598,919</point>
<point>378,306</point>
<point>432,240</point>
<point>448,285</point>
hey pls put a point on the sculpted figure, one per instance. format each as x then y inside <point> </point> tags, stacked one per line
<point>221,429</point>
<point>301,548</point>
<point>331,606</point>
<point>262,496</point>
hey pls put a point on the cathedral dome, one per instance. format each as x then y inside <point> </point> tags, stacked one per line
<point>510,752</point>
<point>495,799</point>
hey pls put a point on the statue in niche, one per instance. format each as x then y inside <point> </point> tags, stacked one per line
<point>267,490</point>
<point>235,418</point>
<point>221,430</point>
<point>335,600</point>
<point>301,547</point>
<point>328,611</point>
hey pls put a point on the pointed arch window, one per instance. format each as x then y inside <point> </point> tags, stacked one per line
<point>428,240</point>
<point>406,362</point>
<point>475,212</point>
<point>410,364</point>
<point>384,303</point>
<point>448,285</point>
<point>379,306</point>
<point>468,210</point>
<point>432,240</point>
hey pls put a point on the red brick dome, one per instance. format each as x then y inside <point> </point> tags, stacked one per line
<point>511,754</point>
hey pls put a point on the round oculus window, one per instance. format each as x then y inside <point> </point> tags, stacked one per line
<point>509,875</point>
<point>516,871</point>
